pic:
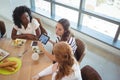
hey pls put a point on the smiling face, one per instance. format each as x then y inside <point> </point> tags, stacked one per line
<point>59,29</point>
<point>25,18</point>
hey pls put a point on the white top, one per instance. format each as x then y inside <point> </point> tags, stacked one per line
<point>31,27</point>
<point>76,75</point>
<point>71,42</point>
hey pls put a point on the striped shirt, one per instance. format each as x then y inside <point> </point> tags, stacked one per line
<point>71,42</point>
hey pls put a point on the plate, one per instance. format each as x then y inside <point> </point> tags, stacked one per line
<point>6,72</point>
<point>18,42</point>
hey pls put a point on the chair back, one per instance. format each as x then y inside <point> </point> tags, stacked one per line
<point>80,51</point>
<point>43,31</point>
<point>2,29</point>
<point>89,73</point>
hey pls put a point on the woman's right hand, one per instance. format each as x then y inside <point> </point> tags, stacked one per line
<point>31,37</point>
<point>52,57</point>
<point>41,47</point>
<point>52,42</point>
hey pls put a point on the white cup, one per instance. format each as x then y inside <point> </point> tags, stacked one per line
<point>35,56</point>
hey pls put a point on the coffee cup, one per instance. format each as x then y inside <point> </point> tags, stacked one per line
<point>35,56</point>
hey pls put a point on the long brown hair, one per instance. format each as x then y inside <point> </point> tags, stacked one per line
<point>66,24</point>
<point>64,57</point>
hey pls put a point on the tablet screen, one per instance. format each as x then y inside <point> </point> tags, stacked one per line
<point>44,38</point>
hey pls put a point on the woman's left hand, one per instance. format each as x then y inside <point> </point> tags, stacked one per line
<point>36,77</point>
<point>55,67</point>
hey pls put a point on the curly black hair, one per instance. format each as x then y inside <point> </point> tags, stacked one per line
<point>18,12</point>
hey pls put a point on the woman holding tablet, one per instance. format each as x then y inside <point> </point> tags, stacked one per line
<point>64,34</point>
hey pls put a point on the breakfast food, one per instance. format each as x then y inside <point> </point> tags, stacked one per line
<point>18,42</point>
<point>5,60</point>
<point>35,49</point>
<point>9,68</point>
<point>8,65</point>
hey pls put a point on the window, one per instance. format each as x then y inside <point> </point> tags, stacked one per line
<point>105,7</point>
<point>99,25</point>
<point>95,18</point>
<point>72,3</point>
<point>119,37</point>
<point>43,7</point>
<point>71,15</point>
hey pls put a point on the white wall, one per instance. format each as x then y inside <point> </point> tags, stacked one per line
<point>7,7</point>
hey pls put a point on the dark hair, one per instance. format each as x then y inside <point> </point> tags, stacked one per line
<point>65,23</point>
<point>2,28</point>
<point>17,13</point>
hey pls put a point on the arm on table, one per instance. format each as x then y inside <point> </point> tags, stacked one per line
<point>23,36</point>
<point>47,71</point>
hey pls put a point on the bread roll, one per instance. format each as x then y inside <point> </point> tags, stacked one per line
<point>6,64</point>
<point>6,60</point>
<point>14,66</point>
<point>9,68</point>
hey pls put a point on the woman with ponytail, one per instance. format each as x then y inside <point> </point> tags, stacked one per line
<point>63,34</point>
<point>66,66</point>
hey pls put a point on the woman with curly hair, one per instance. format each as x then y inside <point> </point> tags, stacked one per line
<point>66,67</point>
<point>25,27</point>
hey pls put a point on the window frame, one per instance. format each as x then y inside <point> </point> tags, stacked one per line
<point>81,10</point>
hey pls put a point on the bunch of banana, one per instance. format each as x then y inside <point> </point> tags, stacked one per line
<point>8,65</point>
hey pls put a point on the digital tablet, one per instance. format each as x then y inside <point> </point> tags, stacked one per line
<point>44,38</point>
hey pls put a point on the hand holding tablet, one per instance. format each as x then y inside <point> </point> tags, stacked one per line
<point>44,38</point>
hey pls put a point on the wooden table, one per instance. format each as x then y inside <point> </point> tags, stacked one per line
<point>29,67</point>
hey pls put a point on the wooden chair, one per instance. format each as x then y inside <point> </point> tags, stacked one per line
<point>43,31</point>
<point>2,29</point>
<point>89,73</point>
<point>80,51</point>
